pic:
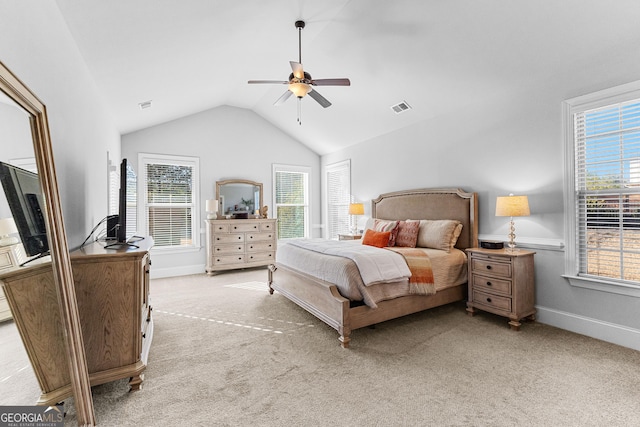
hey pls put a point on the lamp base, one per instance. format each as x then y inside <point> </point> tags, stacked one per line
<point>212,215</point>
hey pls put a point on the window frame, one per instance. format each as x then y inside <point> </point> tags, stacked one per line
<point>307,205</point>
<point>343,164</point>
<point>570,107</point>
<point>166,159</point>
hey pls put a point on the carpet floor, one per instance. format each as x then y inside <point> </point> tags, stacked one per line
<point>226,353</point>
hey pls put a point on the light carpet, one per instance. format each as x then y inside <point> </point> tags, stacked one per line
<point>226,353</point>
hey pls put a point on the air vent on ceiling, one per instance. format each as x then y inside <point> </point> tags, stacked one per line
<point>401,107</point>
<point>145,105</point>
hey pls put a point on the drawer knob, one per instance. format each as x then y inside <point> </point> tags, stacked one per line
<point>489,283</point>
<point>488,299</point>
<point>488,267</point>
<point>239,238</point>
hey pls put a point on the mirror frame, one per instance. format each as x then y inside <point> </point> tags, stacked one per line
<point>61,264</point>
<point>238,181</point>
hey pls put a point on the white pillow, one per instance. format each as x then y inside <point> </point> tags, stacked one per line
<point>439,234</point>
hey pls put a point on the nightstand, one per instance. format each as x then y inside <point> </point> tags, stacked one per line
<point>502,282</point>
<point>349,236</point>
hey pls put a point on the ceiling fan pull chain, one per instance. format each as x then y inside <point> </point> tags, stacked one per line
<point>300,111</point>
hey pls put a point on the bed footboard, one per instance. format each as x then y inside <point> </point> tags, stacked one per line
<point>318,297</point>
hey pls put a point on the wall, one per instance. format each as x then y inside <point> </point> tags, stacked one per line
<point>512,143</point>
<point>37,46</point>
<point>231,143</point>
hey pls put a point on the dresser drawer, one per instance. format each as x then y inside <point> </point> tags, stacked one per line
<point>5,261</point>
<point>220,228</point>
<point>260,256</point>
<point>489,266</point>
<point>260,246</point>
<point>494,301</point>
<point>229,259</point>
<point>228,238</point>
<point>228,249</point>
<point>267,226</point>
<point>491,284</point>
<point>252,226</point>
<point>254,237</point>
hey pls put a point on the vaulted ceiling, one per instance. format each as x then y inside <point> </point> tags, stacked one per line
<point>187,56</point>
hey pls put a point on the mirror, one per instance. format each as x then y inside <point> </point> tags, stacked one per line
<point>238,198</point>
<point>34,113</point>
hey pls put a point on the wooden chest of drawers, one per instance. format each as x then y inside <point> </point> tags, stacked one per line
<point>502,282</point>
<point>240,243</point>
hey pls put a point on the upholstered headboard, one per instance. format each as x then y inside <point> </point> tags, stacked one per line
<point>432,203</point>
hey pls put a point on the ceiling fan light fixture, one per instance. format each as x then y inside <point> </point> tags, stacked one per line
<point>299,89</point>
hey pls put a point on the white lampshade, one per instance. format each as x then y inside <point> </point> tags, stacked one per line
<point>512,206</point>
<point>211,205</point>
<point>8,226</point>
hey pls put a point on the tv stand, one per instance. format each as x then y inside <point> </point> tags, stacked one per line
<point>112,292</point>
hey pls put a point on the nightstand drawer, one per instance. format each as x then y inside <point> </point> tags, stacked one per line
<point>497,302</point>
<point>491,284</point>
<point>488,266</point>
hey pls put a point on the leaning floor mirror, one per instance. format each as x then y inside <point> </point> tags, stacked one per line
<point>30,188</point>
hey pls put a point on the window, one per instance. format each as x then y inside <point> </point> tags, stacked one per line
<point>338,185</point>
<point>291,196</point>
<point>603,186</point>
<point>169,210</point>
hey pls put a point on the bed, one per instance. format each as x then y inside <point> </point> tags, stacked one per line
<point>317,292</point>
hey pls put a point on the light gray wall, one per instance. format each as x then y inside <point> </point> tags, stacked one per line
<point>510,143</point>
<point>230,143</point>
<point>36,46</point>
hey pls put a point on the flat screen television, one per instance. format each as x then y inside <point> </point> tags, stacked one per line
<point>24,196</point>
<point>121,227</point>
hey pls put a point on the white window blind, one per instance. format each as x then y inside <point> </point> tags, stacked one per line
<point>338,185</point>
<point>170,207</point>
<point>607,191</point>
<point>291,188</point>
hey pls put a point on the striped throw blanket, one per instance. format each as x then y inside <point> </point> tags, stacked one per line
<point>421,281</point>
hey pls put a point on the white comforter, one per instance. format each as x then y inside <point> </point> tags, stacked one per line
<point>376,265</point>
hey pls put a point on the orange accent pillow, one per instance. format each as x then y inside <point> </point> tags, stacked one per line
<point>379,239</point>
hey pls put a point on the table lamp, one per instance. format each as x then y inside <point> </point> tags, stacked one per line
<point>355,209</point>
<point>512,206</point>
<point>212,209</point>
<point>8,226</point>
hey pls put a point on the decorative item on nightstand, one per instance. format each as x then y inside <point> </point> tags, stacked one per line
<point>212,209</point>
<point>355,209</point>
<point>8,226</point>
<point>512,206</point>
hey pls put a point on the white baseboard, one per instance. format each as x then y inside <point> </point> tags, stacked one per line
<point>158,273</point>
<point>605,331</point>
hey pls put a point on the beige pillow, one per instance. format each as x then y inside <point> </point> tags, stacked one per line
<point>439,234</point>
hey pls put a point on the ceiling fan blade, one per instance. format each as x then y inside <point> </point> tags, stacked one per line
<point>254,82</point>
<point>331,82</point>
<point>321,99</point>
<point>283,98</point>
<point>298,72</point>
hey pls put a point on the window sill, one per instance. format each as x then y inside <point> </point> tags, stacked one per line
<point>604,285</point>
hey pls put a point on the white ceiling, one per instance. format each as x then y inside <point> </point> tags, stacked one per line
<point>191,55</point>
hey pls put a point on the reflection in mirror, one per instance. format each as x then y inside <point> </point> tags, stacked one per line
<point>238,198</point>
<point>21,202</point>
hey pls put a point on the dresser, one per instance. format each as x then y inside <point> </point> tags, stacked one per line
<point>240,243</point>
<point>503,283</point>
<point>112,293</point>
<point>10,258</point>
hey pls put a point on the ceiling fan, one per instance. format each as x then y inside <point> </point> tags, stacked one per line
<point>300,82</point>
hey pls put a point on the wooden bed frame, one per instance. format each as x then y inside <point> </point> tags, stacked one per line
<point>322,298</point>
